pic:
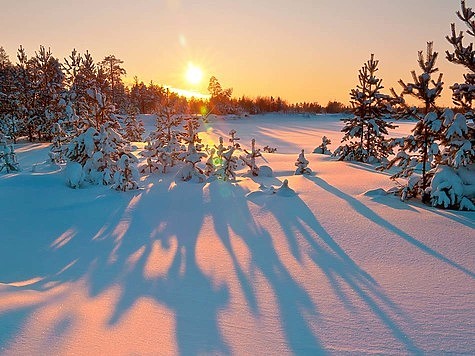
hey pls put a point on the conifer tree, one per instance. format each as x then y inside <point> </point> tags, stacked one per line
<point>48,88</point>
<point>126,175</point>
<point>420,151</point>
<point>8,162</point>
<point>111,67</point>
<point>459,136</point>
<point>369,124</point>
<point>302,164</point>
<point>134,128</point>
<point>451,181</point>
<point>323,148</point>
<point>250,158</point>
<point>10,123</point>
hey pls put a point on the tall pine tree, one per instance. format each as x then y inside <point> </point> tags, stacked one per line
<point>420,151</point>
<point>370,122</point>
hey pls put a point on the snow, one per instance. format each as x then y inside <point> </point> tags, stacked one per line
<point>213,268</point>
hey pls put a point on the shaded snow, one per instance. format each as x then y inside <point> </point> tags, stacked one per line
<point>212,268</point>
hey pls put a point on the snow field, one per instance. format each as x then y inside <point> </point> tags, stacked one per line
<point>224,268</point>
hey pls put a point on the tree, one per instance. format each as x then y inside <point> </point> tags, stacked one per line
<point>459,137</point>
<point>334,107</point>
<point>220,98</point>
<point>8,160</point>
<point>134,128</point>
<point>420,151</point>
<point>323,148</point>
<point>250,158</point>
<point>302,164</point>
<point>48,86</point>
<point>450,183</point>
<point>10,124</point>
<point>369,124</point>
<point>111,67</point>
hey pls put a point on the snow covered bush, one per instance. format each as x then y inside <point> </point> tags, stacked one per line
<point>269,149</point>
<point>98,153</point>
<point>302,164</point>
<point>449,191</point>
<point>8,161</point>
<point>126,176</point>
<point>158,157</point>
<point>323,148</point>
<point>190,171</point>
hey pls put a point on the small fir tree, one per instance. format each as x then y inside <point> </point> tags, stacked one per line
<point>250,158</point>
<point>323,148</point>
<point>134,128</point>
<point>302,164</point>
<point>8,162</point>
<point>126,175</point>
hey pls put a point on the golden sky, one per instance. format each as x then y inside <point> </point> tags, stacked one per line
<point>306,50</point>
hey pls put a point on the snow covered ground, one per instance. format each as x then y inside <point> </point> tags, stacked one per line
<point>223,268</point>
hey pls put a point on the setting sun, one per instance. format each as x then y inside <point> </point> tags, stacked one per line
<point>194,74</point>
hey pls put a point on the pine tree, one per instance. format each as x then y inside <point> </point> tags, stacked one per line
<point>8,162</point>
<point>134,128</point>
<point>111,67</point>
<point>48,88</point>
<point>10,123</point>
<point>449,186</point>
<point>98,152</point>
<point>420,151</point>
<point>302,164</point>
<point>25,93</point>
<point>227,169</point>
<point>369,124</point>
<point>126,174</point>
<point>323,148</point>
<point>233,139</point>
<point>459,138</point>
<point>220,98</point>
<point>250,158</point>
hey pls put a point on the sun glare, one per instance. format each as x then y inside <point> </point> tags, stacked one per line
<point>194,74</point>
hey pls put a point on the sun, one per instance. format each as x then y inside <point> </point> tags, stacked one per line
<point>194,74</point>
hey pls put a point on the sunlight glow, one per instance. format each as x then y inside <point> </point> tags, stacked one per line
<point>194,74</point>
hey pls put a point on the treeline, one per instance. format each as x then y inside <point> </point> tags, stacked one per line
<point>38,91</point>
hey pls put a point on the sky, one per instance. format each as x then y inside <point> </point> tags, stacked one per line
<point>305,50</point>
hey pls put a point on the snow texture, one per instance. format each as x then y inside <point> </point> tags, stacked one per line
<point>212,269</point>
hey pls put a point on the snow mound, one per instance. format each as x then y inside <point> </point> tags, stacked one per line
<point>379,192</point>
<point>266,171</point>
<point>284,191</point>
<point>74,175</point>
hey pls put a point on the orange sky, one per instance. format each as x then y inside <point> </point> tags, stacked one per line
<point>307,50</point>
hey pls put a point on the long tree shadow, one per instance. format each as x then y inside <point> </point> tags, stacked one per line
<point>112,246</point>
<point>296,220</point>
<point>371,215</point>
<point>229,209</point>
<point>184,288</point>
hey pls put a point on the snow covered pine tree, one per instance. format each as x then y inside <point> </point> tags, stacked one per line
<point>420,151</point>
<point>370,123</point>
<point>453,184</point>
<point>302,165</point>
